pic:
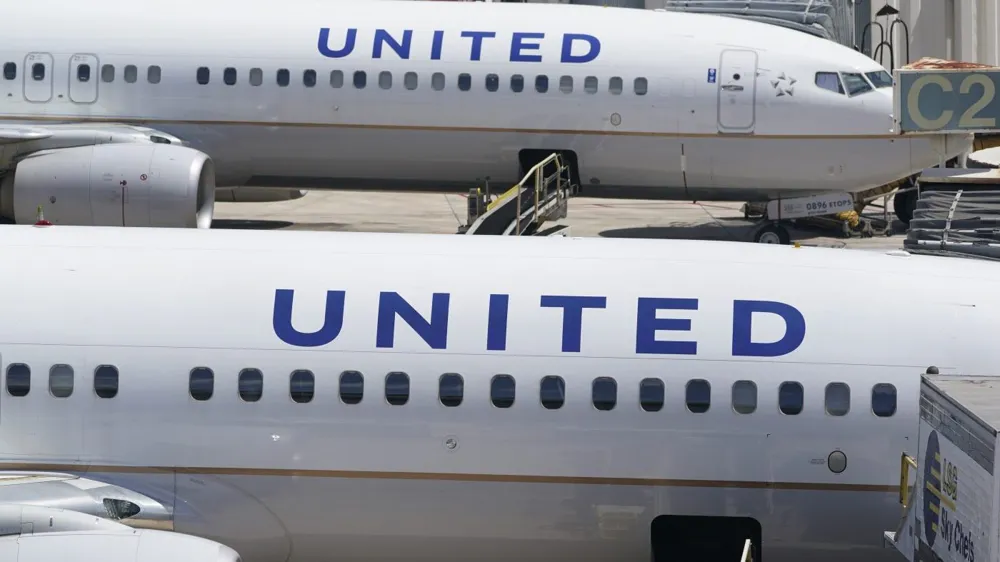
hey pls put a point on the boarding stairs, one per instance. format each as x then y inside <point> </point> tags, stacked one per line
<point>540,196</point>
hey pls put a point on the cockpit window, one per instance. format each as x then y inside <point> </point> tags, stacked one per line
<point>880,79</point>
<point>829,81</point>
<point>856,84</point>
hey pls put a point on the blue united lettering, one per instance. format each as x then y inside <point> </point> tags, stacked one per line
<point>661,323</point>
<point>519,46</point>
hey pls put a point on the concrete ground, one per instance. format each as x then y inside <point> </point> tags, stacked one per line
<point>370,211</point>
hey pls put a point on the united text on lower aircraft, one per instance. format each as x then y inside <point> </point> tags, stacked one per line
<point>653,324</point>
<point>520,46</point>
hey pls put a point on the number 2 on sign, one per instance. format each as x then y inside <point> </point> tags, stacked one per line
<point>968,118</point>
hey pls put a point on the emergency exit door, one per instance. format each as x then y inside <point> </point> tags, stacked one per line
<point>37,77</point>
<point>83,78</point>
<point>737,90</point>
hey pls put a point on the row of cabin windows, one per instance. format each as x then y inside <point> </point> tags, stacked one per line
<point>359,79</point>
<point>411,81</point>
<point>451,390</point>
<point>61,380</point>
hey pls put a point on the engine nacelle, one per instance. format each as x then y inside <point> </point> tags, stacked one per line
<point>41,534</point>
<point>253,194</point>
<point>161,185</point>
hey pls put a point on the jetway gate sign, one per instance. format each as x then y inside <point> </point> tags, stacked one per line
<point>943,101</point>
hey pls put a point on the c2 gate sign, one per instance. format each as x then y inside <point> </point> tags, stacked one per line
<point>961,100</point>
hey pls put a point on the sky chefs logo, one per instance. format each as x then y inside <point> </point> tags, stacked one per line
<point>940,498</point>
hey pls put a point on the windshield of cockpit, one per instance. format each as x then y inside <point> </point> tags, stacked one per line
<point>853,83</point>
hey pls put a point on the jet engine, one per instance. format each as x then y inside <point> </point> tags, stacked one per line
<point>154,184</point>
<point>44,534</point>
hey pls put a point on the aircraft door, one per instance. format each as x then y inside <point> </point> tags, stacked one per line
<point>737,90</point>
<point>83,78</point>
<point>38,77</point>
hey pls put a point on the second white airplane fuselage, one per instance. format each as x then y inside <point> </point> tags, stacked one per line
<point>308,396</point>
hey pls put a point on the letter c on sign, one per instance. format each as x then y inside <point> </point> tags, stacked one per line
<point>913,99</point>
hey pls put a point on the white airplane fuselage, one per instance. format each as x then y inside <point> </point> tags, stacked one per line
<point>421,94</point>
<point>281,459</point>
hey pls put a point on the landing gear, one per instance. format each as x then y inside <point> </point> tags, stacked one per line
<point>772,233</point>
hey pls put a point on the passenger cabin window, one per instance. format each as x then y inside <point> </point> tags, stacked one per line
<point>9,71</point>
<point>641,86</point>
<point>651,394</point>
<point>698,396</point>
<point>450,389</point>
<point>61,381</point>
<point>552,392</point>
<point>256,77</point>
<point>283,77</point>
<point>437,81</point>
<point>517,83</point>
<point>336,79</point>
<point>883,400</point>
<point>502,389</point>
<point>250,385</point>
<point>856,84</point>
<point>590,84</point>
<point>604,393</point>
<point>464,82</point>
<point>301,386</point>
<point>790,398</point>
<point>385,80</point>
<point>309,78</point>
<point>18,379</point>
<point>106,381</point>
<point>541,83</point>
<point>829,81</point>
<point>880,79</point>
<point>38,72</point>
<point>397,388</point>
<point>838,399</point>
<point>744,397</point>
<point>410,80</point>
<point>131,74</point>
<point>566,84</point>
<point>83,73</point>
<point>201,383</point>
<point>203,75</point>
<point>352,387</point>
<point>492,82</point>
<point>229,76</point>
<point>360,79</point>
<point>615,85</point>
<point>108,73</point>
<point>153,74</point>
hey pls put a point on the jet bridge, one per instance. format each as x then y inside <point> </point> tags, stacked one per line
<point>957,213</point>
<point>829,19</point>
<point>540,196</point>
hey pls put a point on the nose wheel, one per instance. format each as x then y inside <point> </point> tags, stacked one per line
<point>772,233</point>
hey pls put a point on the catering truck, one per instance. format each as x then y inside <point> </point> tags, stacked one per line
<point>950,491</point>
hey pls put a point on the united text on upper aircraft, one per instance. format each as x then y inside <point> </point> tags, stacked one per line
<point>519,46</point>
<point>656,332</point>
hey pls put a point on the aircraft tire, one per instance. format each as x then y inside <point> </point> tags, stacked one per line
<point>904,203</point>
<point>772,234</point>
